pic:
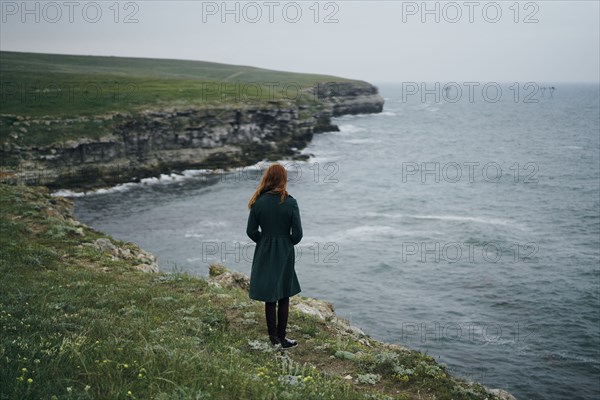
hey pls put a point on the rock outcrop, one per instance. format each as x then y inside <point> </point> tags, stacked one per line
<point>145,261</point>
<point>59,210</point>
<point>220,276</point>
<point>342,98</point>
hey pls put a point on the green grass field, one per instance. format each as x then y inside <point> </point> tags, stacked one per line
<point>67,85</point>
<point>77,324</point>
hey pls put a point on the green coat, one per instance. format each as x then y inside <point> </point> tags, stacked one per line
<point>273,276</point>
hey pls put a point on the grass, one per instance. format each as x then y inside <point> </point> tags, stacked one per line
<point>77,323</point>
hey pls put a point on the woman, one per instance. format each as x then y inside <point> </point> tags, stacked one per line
<point>273,278</point>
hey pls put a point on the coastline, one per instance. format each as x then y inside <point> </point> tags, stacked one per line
<point>338,357</point>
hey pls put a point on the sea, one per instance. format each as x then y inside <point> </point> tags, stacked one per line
<point>462,221</point>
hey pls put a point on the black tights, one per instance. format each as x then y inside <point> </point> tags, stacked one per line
<point>282,312</point>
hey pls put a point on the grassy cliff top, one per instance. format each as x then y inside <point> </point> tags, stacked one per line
<point>36,84</point>
<point>150,68</point>
<point>79,321</point>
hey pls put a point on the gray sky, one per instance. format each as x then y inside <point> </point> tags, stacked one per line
<point>378,41</point>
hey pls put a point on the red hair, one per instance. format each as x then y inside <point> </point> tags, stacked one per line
<point>274,180</point>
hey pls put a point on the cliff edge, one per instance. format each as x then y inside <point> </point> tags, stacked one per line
<point>84,315</point>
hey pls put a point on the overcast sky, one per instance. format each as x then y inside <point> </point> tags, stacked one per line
<point>378,41</point>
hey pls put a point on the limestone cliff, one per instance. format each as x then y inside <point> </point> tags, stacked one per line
<point>357,97</point>
<point>157,141</point>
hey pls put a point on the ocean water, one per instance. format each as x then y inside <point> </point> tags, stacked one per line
<point>468,229</point>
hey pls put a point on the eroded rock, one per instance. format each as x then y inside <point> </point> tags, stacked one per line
<point>501,394</point>
<point>147,262</point>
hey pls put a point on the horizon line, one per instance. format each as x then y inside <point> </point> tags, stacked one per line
<point>386,82</point>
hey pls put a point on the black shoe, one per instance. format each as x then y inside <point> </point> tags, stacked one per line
<point>287,343</point>
<point>274,340</point>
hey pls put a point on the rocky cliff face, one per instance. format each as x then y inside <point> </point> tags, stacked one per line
<point>343,98</point>
<point>159,141</point>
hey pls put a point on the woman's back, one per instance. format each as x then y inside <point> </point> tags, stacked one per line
<point>275,218</point>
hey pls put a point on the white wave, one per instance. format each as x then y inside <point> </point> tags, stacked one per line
<point>320,159</point>
<point>493,221</point>
<point>362,141</point>
<point>349,128</point>
<point>366,231</point>
<point>206,225</point>
<point>289,165</point>
<point>459,218</point>
<point>122,187</point>
<point>311,241</point>
<point>264,164</point>
<point>193,235</point>
<point>162,178</point>
<point>311,158</point>
<point>359,232</point>
<point>173,177</point>
<point>195,172</point>
<point>385,114</point>
<point>496,342</point>
<point>196,259</point>
<point>340,133</point>
<point>67,193</point>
